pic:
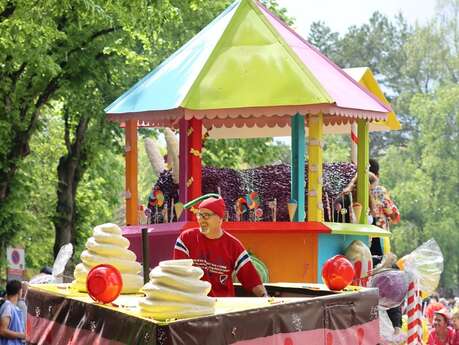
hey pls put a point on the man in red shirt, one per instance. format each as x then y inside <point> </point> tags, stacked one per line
<point>218,253</point>
<point>441,334</point>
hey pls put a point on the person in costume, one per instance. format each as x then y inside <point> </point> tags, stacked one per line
<point>218,253</point>
<point>441,334</point>
<point>384,210</point>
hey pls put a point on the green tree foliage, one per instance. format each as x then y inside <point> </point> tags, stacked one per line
<point>244,153</point>
<point>418,67</point>
<point>80,55</point>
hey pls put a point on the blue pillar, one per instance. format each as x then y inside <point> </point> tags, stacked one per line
<point>297,172</point>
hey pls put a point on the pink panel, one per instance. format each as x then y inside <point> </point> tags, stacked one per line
<point>366,334</point>
<point>343,89</point>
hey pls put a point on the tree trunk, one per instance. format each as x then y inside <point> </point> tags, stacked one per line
<point>69,172</point>
<point>18,151</point>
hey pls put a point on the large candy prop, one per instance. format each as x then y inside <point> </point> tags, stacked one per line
<point>424,266</point>
<point>392,285</point>
<point>104,283</point>
<point>337,272</point>
<point>420,271</point>
<point>360,256</point>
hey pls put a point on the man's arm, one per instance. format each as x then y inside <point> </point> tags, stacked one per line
<point>6,333</point>
<point>260,291</point>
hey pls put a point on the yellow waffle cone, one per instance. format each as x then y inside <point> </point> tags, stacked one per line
<point>291,210</point>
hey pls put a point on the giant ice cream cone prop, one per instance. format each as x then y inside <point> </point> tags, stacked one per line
<point>178,209</point>
<point>292,206</point>
<point>357,208</point>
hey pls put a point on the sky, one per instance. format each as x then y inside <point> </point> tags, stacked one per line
<point>340,14</point>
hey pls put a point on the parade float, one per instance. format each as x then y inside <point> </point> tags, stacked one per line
<point>245,75</point>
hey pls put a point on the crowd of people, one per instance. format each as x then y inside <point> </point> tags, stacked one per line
<point>442,316</point>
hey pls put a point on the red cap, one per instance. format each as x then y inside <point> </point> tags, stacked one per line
<point>217,206</point>
<point>443,312</point>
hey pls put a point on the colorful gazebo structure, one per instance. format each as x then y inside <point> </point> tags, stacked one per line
<point>248,72</point>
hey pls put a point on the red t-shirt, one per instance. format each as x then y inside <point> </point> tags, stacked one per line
<point>433,339</point>
<point>456,337</point>
<point>218,258</point>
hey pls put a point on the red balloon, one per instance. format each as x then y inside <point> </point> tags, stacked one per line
<point>104,283</point>
<point>337,272</point>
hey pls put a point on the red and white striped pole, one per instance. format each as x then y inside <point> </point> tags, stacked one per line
<point>354,142</point>
<point>414,316</point>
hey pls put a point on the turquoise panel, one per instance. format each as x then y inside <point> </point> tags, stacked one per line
<point>297,169</point>
<point>168,84</point>
<point>331,245</point>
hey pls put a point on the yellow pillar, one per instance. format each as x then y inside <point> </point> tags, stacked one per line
<point>363,153</point>
<point>315,169</point>
<point>131,193</point>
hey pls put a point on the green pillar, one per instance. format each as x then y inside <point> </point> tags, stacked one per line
<point>363,156</point>
<point>297,172</point>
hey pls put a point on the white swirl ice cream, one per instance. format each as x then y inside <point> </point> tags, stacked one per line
<point>108,246</point>
<point>176,291</point>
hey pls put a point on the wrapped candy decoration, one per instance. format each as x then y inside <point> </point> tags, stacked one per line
<point>392,285</point>
<point>425,265</point>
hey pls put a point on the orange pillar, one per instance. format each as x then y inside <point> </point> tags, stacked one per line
<point>131,193</point>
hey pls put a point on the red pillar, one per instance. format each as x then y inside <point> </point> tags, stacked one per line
<point>190,185</point>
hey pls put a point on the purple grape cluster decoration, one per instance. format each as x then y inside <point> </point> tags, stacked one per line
<point>270,182</point>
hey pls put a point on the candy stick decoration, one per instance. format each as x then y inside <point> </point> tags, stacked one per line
<point>351,210</point>
<point>172,211</point>
<point>414,320</point>
<point>327,203</point>
<point>275,210</point>
<point>338,210</point>
<point>272,206</point>
<point>219,190</point>
<point>333,209</point>
<point>165,214</point>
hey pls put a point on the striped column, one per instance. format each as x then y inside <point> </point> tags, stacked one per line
<point>414,316</point>
<point>354,142</point>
